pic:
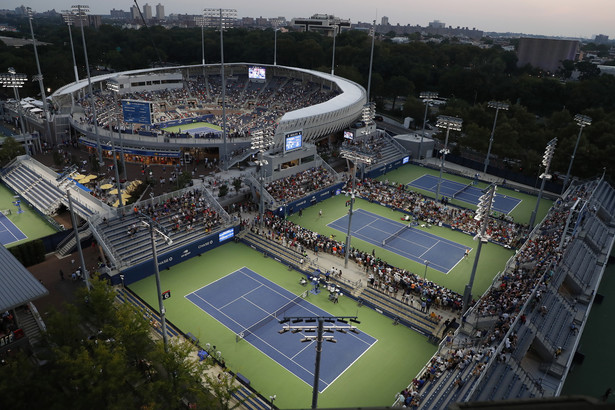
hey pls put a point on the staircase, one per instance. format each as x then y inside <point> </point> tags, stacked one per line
<point>27,322</point>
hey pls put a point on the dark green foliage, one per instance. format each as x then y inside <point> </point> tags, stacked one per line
<point>29,253</point>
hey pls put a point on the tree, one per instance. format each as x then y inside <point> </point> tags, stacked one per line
<point>101,355</point>
<point>10,149</point>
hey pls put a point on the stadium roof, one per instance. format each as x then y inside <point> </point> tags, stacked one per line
<point>17,285</point>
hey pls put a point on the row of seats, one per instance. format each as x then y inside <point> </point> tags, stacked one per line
<point>34,188</point>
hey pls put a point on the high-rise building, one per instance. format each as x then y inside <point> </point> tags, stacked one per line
<point>384,21</point>
<point>134,12</point>
<point>147,12</point>
<point>160,12</point>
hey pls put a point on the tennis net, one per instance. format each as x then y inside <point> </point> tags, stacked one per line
<point>462,190</point>
<point>395,235</point>
<point>275,315</point>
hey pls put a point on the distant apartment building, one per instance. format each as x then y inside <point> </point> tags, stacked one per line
<point>546,53</point>
<point>160,12</point>
<point>147,12</point>
<point>436,24</point>
<point>601,39</point>
<point>134,12</point>
<point>384,21</point>
<point>325,24</point>
<point>119,14</point>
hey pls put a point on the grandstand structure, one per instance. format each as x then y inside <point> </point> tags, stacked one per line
<point>289,99</point>
<point>520,338</point>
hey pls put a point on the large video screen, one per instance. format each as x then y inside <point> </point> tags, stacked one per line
<point>349,135</point>
<point>294,140</point>
<point>256,73</point>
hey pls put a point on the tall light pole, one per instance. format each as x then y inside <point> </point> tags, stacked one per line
<point>546,162</point>
<point>428,97</point>
<point>482,214</point>
<point>69,18</point>
<point>498,105</point>
<point>154,227</point>
<point>225,16</point>
<point>334,323</point>
<point>582,121</point>
<point>356,158</point>
<point>39,78</point>
<point>86,274</point>
<point>80,12</point>
<point>450,123</point>
<point>200,20</point>
<point>335,28</point>
<point>275,46</point>
<point>371,60</point>
<point>114,87</point>
<point>14,80</point>
<point>261,141</point>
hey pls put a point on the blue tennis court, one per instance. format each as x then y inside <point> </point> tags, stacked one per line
<point>412,243</point>
<point>464,192</point>
<point>9,233</point>
<point>244,298</point>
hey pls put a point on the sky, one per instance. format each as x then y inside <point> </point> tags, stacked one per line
<point>566,18</point>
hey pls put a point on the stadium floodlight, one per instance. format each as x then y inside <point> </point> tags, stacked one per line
<point>483,211</point>
<point>275,46</point>
<point>371,59</point>
<point>546,162</point>
<point>582,121</point>
<point>428,98</point>
<point>356,158</point>
<point>80,12</point>
<point>498,105</point>
<point>39,77</point>
<point>15,81</point>
<point>227,19</point>
<point>69,19</point>
<point>262,139</point>
<point>321,337</point>
<point>114,87</point>
<point>450,123</point>
<point>155,228</point>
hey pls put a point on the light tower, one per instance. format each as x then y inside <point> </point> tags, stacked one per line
<point>546,162</point>
<point>428,97</point>
<point>498,106</point>
<point>69,19</point>
<point>582,121</point>
<point>80,12</point>
<point>356,158</point>
<point>15,81</point>
<point>483,212</point>
<point>450,123</point>
<point>316,324</point>
<point>39,78</point>
<point>261,141</point>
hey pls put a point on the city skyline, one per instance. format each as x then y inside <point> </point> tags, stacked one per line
<point>565,18</point>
